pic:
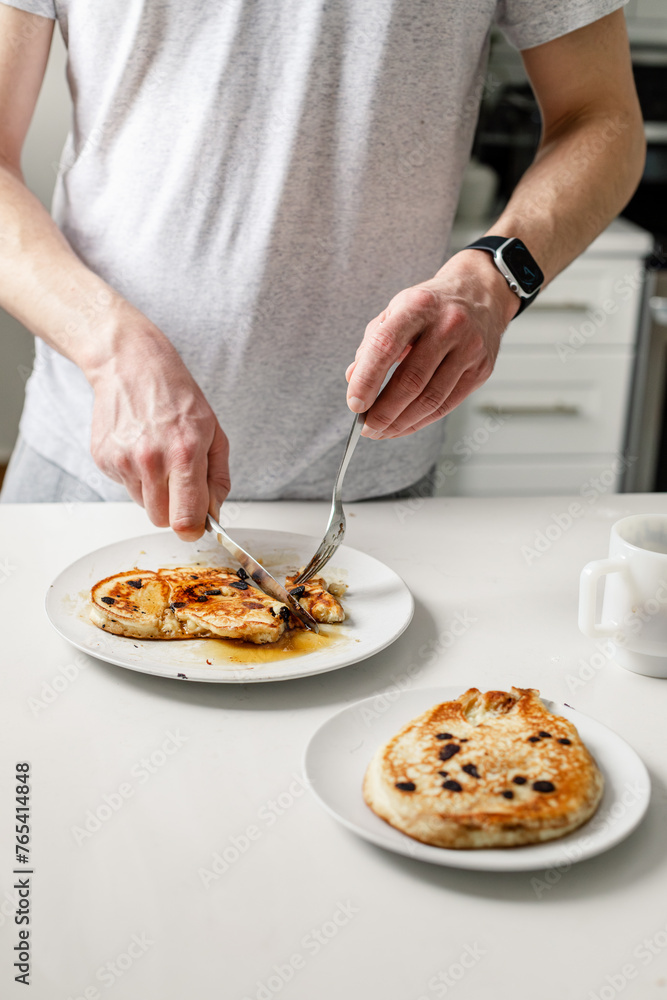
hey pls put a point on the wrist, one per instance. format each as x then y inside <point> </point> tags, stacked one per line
<point>482,281</point>
<point>121,338</point>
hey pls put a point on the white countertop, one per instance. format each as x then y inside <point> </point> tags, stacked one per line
<point>307,906</point>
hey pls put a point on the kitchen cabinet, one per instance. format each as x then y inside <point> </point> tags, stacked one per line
<point>553,416</point>
<point>647,22</point>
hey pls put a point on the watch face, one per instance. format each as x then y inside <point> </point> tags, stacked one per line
<point>522,266</point>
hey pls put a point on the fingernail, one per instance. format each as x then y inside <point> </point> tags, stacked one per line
<point>370,433</point>
<point>356,405</point>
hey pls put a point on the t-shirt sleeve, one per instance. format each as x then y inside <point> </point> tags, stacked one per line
<point>46,8</point>
<point>526,23</point>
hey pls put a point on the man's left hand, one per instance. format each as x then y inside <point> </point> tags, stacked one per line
<point>445,333</point>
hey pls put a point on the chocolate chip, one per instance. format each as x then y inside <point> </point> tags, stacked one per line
<point>137,584</point>
<point>177,604</point>
<point>547,736</point>
<point>544,786</point>
<point>444,736</point>
<point>443,773</point>
<point>534,739</point>
<point>212,593</point>
<point>471,769</point>
<point>239,584</point>
<point>193,577</point>
<point>519,780</point>
<point>109,600</point>
<point>284,614</point>
<point>448,751</point>
<point>406,786</point>
<point>464,741</point>
<point>507,794</point>
<point>241,573</point>
<point>565,741</point>
<point>452,786</point>
<point>272,612</point>
<point>202,599</point>
<point>297,591</point>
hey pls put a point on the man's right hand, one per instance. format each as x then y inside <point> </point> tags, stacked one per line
<point>154,432</point>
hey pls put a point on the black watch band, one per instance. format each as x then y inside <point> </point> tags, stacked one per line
<point>532,275</point>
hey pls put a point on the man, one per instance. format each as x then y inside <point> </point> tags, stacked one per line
<point>238,196</point>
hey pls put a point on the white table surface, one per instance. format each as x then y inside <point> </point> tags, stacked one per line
<point>124,913</point>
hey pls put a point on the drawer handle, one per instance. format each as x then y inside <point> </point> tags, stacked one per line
<point>658,307</point>
<point>559,307</point>
<point>556,410</point>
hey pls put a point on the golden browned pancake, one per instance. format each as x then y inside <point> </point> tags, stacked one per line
<point>191,602</point>
<point>314,597</point>
<point>485,770</point>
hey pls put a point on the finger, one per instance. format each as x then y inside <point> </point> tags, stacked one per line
<point>350,368</point>
<point>418,380</point>
<point>188,495</point>
<point>134,488</point>
<point>385,339</point>
<point>156,499</point>
<point>468,382</point>
<point>116,464</point>
<point>124,471</point>
<point>145,462</point>
<point>218,471</point>
<point>435,393</point>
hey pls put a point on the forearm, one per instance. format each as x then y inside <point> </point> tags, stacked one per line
<point>583,175</point>
<point>152,428</point>
<point>49,289</point>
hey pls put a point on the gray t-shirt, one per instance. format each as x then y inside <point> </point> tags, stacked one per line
<point>260,177</point>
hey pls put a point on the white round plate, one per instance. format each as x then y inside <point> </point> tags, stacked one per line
<point>339,752</point>
<point>377,603</point>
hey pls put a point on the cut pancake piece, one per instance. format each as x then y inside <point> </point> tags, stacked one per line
<point>314,597</point>
<point>485,770</point>
<point>219,603</point>
<point>132,604</point>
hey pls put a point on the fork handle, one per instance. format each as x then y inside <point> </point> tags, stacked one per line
<point>351,444</point>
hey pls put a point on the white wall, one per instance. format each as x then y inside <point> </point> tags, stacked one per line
<point>42,150</point>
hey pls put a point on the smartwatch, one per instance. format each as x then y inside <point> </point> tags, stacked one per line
<point>516,264</point>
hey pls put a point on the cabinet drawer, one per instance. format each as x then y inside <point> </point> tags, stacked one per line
<point>534,405</point>
<point>591,302</point>
<point>591,478</point>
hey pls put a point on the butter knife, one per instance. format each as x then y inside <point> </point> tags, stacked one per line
<point>261,577</point>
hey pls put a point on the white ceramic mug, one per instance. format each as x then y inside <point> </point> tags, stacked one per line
<point>634,609</point>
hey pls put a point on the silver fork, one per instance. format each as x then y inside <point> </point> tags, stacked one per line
<point>336,527</point>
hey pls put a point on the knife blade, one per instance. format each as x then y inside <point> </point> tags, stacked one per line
<point>260,576</point>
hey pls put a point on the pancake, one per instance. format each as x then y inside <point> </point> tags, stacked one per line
<point>315,597</point>
<point>190,602</point>
<point>133,604</point>
<point>485,770</point>
<point>218,603</point>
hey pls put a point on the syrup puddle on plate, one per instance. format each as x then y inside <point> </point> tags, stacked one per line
<point>296,643</point>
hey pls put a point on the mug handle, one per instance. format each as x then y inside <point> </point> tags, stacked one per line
<point>588,582</point>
